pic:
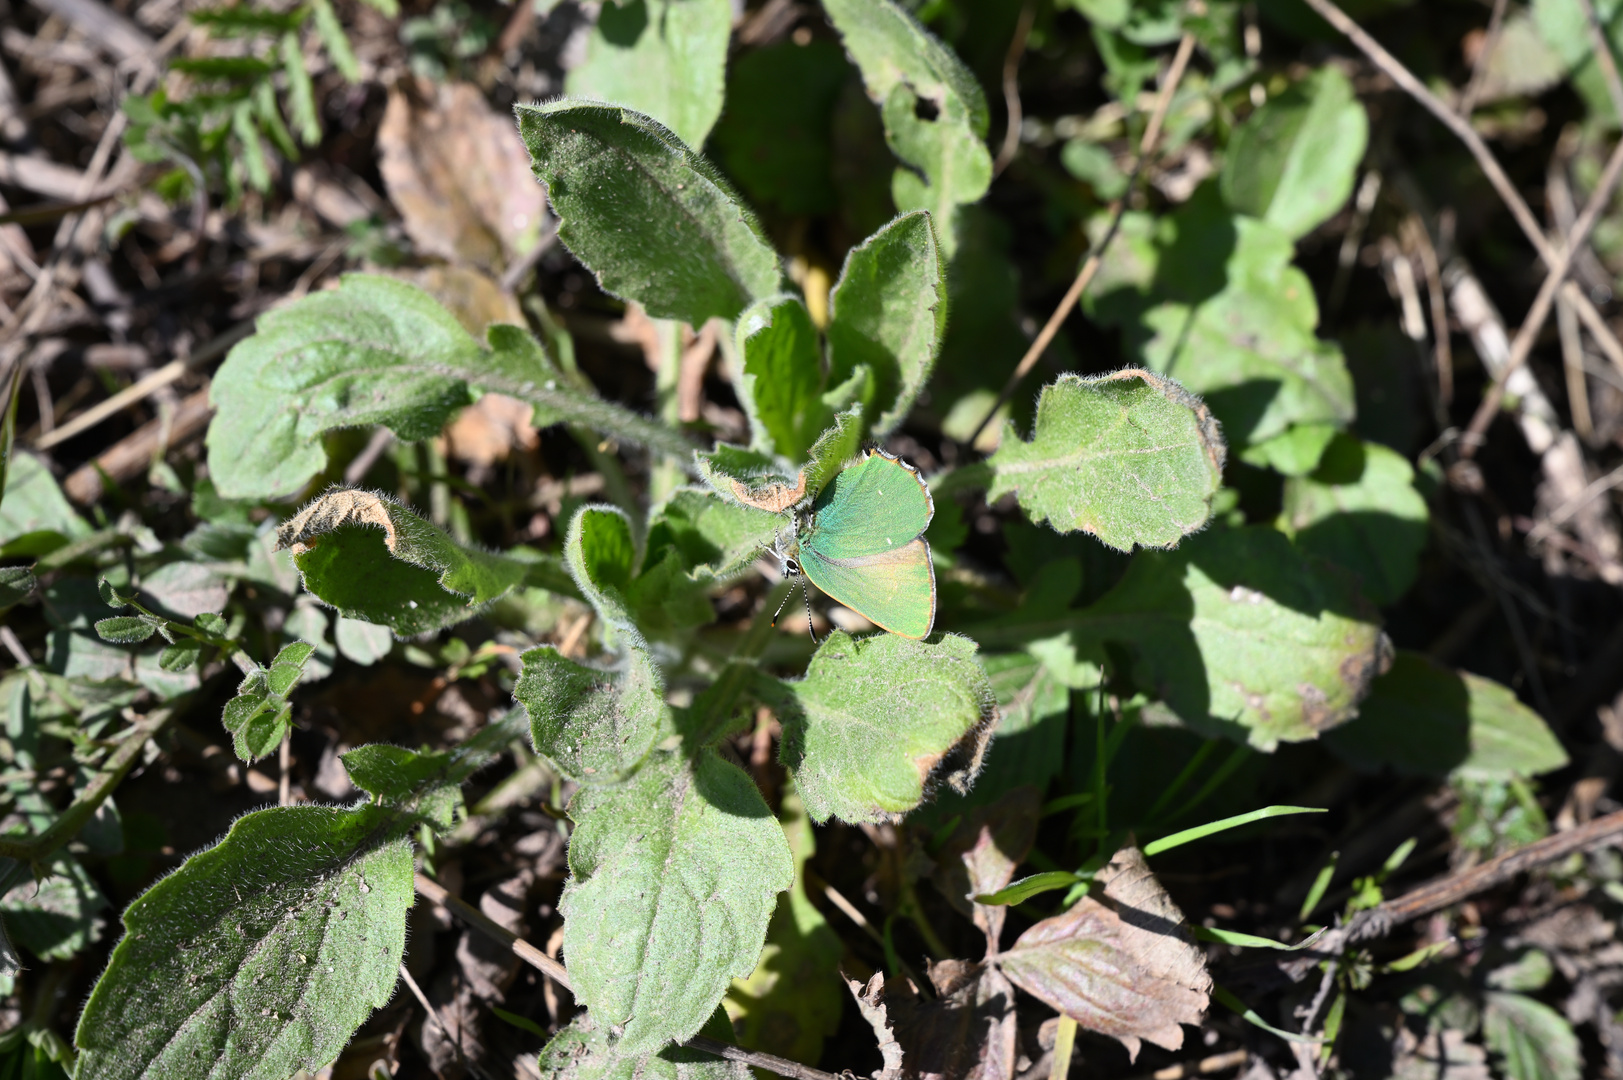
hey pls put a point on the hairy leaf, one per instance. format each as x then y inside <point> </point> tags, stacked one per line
<point>1426,719</point>
<point>17,583</point>
<point>888,312</point>
<point>258,957</point>
<point>584,1051</point>
<point>1212,300</point>
<point>751,477</point>
<point>783,375</point>
<point>375,560</point>
<point>674,876</point>
<point>34,504</point>
<point>259,717</point>
<point>911,75</point>
<point>376,351</point>
<point>655,221</point>
<point>58,915</point>
<point>1122,965</point>
<point>1533,1041</point>
<point>877,720</point>
<point>1131,458</point>
<point>1293,162</point>
<point>1360,510</point>
<point>665,58</point>
<point>596,726</point>
<point>713,538</point>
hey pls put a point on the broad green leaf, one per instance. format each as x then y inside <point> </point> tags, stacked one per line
<point>674,875</point>
<point>713,538</point>
<point>1237,632</point>
<point>377,351</point>
<point>665,58</point>
<point>1532,1040</point>
<point>664,599</point>
<point>1211,299</point>
<point>1130,457</point>
<point>373,559</point>
<point>1528,973</point>
<point>126,629</point>
<point>783,375</point>
<point>775,138</point>
<point>1425,719</point>
<point>983,292</point>
<point>877,721</point>
<point>1121,963</point>
<point>793,1000</point>
<point>1293,162</point>
<point>652,219</point>
<point>33,503</point>
<point>186,589</point>
<point>258,957</point>
<point>1294,452</point>
<point>57,915</point>
<point>911,75</point>
<point>361,641</point>
<point>888,312</point>
<point>596,726</point>
<point>583,1051</point>
<point>1360,510</point>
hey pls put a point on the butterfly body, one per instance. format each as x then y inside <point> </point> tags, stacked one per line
<point>863,544</point>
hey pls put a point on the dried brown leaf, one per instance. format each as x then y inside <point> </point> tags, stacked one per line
<point>872,1007</point>
<point>460,177</point>
<point>967,1032</point>
<point>982,854</point>
<point>1123,965</point>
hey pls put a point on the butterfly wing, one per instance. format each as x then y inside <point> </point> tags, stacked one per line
<point>892,589</point>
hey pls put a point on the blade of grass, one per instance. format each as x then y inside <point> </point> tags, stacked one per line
<point>1248,941</point>
<point>1320,884</point>
<point>1177,839</point>
<point>1026,888</point>
<point>1248,1014</point>
<point>1182,779</point>
<point>1224,771</point>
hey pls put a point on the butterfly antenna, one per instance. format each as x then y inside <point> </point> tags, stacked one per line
<point>783,604</point>
<point>806,592</point>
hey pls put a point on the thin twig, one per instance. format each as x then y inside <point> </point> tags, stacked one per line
<point>1431,267</point>
<point>1011,88</point>
<point>1180,61</point>
<point>1525,336</point>
<point>1559,516</point>
<point>1479,70</point>
<point>1406,80</point>
<point>555,971</point>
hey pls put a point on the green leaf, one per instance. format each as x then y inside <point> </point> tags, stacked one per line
<point>878,720</point>
<point>1293,162</point>
<point>833,450</point>
<point>377,351</point>
<point>361,641</point>
<point>258,722</point>
<point>427,785</point>
<point>1422,718</point>
<point>1035,885</point>
<point>332,35</point>
<point>56,916</point>
<point>664,58</point>
<point>1246,941</point>
<point>583,1051</point>
<point>888,312</point>
<point>258,957</point>
<point>793,1000</point>
<point>751,477</point>
<point>601,556</point>
<point>126,629</point>
<point>655,221</point>
<point>236,68</point>
<point>1130,457</point>
<point>713,538</point>
<point>1533,1040</point>
<point>1237,632</point>
<point>1211,299</point>
<point>673,878</point>
<point>373,559</point>
<point>17,583</point>
<point>1294,452</point>
<point>180,656</point>
<point>1360,510</point>
<point>1199,832</point>
<point>783,375</point>
<point>596,726</point>
<point>907,72</point>
<point>33,503</point>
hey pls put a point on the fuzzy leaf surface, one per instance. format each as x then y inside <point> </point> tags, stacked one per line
<point>1130,458</point>
<point>652,219</point>
<point>33,503</point>
<point>258,957</point>
<point>57,916</point>
<point>877,719</point>
<point>1122,965</point>
<point>888,312</point>
<point>665,58</point>
<point>1293,162</point>
<point>375,560</point>
<point>583,1051</point>
<point>596,726</point>
<point>713,538</point>
<point>783,374</point>
<point>376,351</point>
<point>1422,718</point>
<point>1359,509</point>
<point>674,875</point>
<point>1211,299</point>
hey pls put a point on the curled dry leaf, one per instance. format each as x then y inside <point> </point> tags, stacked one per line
<point>1122,965</point>
<point>460,176</point>
<point>773,497</point>
<point>982,854</point>
<point>490,430</point>
<point>966,1033</point>
<point>334,510</point>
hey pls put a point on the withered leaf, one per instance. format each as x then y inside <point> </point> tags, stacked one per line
<point>872,1007</point>
<point>1123,965</point>
<point>983,853</point>
<point>967,1033</point>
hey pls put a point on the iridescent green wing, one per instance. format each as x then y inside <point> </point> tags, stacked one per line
<point>864,545</point>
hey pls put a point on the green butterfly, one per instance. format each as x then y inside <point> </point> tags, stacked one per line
<point>863,544</point>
